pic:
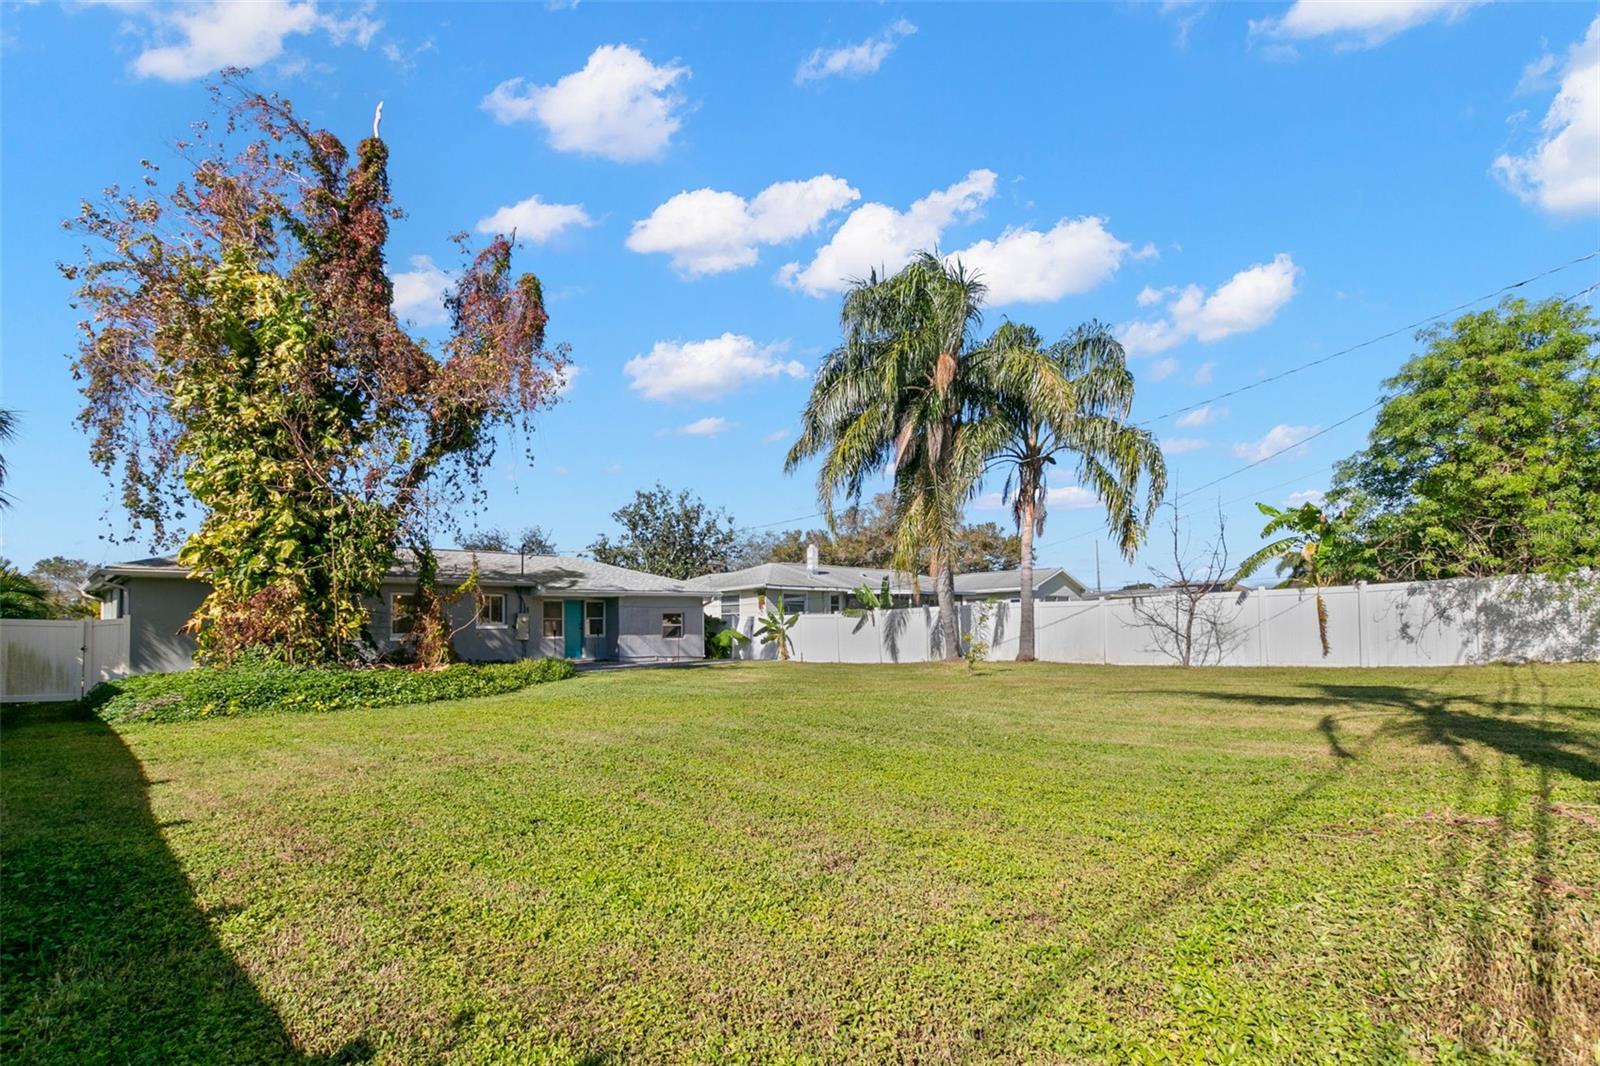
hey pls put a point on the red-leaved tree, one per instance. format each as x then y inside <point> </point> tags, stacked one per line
<point>240,355</point>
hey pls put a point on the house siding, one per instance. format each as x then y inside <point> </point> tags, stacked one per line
<point>639,630</point>
<point>157,609</point>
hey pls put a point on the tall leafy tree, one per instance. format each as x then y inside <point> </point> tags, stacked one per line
<point>240,355</point>
<point>894,395</point>
<point>865,535</point>
<point>63,580</point>
<point>672,534</point>
<point>1485,458</point>
<point>1072,398</point>
<point>533,540</point>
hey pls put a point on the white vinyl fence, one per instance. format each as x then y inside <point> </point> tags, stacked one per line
<point>1423,624</point>
<point>44,660</point>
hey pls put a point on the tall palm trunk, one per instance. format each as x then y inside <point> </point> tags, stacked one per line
<point>1029,515</point>
<point>944,584</point>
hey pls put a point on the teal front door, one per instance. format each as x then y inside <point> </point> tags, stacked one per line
<point>572,626</point>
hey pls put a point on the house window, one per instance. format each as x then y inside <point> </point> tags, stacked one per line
<point>552,618</point>
<point>492,611</point>
<point>835,602</point>
<point>672,624</point>
<point>730,617</point>
<point>402,606</point>
<point>794,603</point>
<point>594,618</point>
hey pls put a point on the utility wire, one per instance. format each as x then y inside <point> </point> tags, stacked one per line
<point>1374,340</point>
<point>1279,377</point>
<point>1287,448</point>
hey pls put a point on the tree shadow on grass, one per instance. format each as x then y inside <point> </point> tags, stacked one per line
<point>105,955</point>
<point>1507,725</point>
<point>1020,1012</point>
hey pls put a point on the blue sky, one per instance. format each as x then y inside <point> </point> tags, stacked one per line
<point>1238,189</point>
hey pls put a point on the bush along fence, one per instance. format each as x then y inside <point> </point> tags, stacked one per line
<point>1439,623</point>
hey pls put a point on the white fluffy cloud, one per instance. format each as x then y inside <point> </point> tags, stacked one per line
<point>1245,302</point>
<point>419,292</point>
<point>1203,416</point>
<point>534,220</point>
<point>1277,439</point>
<point>705,427</point>
<point>1357,23</point>
<point>619,106</point>
<point>705,370</point>
<point>195,39</point>
<point>1316,496</point>
<point>878,237</point>
<point>1202,373</point>
<point>1071,498</point>
<point>1561,174</point>
<point>1064,498</point>
<point>1162,369</point>
<point>1029,266</point>
<point>707,231</point>
<point>1180,445</point>
<point>855,60</point>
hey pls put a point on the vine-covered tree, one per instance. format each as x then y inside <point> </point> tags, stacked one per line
<point>240,354</point>
<point>674,535</point>
<point>1485,458</point>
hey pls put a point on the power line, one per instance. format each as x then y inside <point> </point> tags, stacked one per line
<point>1287,448</point>
<point>1374,340</point>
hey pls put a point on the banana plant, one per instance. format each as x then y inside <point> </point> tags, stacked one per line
<point>868,600</point>
<point>1308,556</point>
<point>773,627</point>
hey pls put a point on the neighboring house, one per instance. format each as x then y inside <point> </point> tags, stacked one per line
<point>814,587</point>
<point>531,606</point>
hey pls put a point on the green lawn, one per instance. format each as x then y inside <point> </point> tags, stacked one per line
<point>785,862</point>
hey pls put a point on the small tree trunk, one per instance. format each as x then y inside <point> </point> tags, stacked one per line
<point>1025,640</point>
<point>944,583</point>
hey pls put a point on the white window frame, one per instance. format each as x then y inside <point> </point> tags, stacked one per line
<point>730,617</point>
<point>665,625</point>
<point>794,603</point>
<point>559,620</point>
<point>487,596</point>
<point>395,613</point>
<point>589,618</point>
<point>836,603</point>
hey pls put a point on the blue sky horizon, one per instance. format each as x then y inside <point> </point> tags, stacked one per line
<point>1236,189</point>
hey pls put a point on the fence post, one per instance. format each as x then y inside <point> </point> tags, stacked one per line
<point>86,657</point>
<point>1105,630</point>
<point>1361,623</point>
<point>1261,627</point>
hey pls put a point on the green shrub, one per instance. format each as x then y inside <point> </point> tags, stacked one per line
<point>259,687</point>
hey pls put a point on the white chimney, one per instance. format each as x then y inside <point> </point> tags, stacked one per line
<point>813,561</point>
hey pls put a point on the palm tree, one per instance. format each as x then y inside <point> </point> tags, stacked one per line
<point>8,431</point>
<point>20,595</point>
<point>1071,398</point>
<point>894,394</point>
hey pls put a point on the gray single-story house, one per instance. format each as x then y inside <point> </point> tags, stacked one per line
<point>740,596</point>
<point>531,606</point>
